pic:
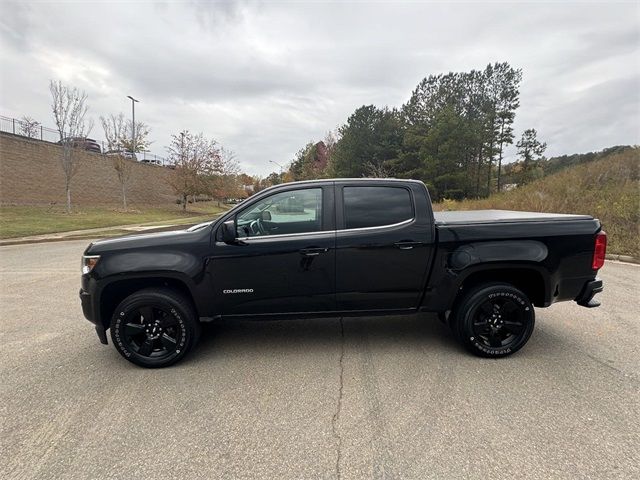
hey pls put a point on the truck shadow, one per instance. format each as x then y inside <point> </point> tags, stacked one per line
<point>283,337</point>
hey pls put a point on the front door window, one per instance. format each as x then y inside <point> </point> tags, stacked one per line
<point>295,211</point>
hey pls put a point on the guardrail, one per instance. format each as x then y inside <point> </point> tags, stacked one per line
<point>36,131</point>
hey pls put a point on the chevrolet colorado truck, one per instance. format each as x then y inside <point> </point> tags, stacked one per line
<point>341,247</point>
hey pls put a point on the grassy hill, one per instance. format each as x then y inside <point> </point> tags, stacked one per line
<point>556,164</point>
<point>512,172</point>
<point>607,188</point>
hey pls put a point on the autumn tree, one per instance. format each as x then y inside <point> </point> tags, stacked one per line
<point>141,142</point>
<point>69,106</point>
<point>222,175</point>
<point>193,157</point>
<point>303,166</point>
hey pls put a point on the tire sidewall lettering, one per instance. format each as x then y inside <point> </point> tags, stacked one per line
<point>118,338</point>
<point>509,295</point>
<point>490,351</point>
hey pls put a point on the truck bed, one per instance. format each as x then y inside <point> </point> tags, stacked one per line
<point>466,217</point>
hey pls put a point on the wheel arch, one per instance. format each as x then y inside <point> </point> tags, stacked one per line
<point>119,289</point>
<point>530,279</point>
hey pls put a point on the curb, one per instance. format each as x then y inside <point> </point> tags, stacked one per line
<point>92,235</point>
<point>621,258</point>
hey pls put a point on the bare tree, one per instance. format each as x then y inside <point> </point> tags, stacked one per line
<point>69,106</point>
<point>376,170</point>
<point>29,127</point>
<point>122,167</point>
<point>330,141</point>
<point>115,129</point>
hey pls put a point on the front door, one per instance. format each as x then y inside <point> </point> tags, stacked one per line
<point>284,258</point>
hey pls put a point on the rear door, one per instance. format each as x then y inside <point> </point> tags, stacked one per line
<point>384,245</point>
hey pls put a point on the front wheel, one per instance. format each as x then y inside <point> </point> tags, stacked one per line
<point>154,328</point>
<point>493,320</point>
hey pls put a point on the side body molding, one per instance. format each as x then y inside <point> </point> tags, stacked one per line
<point>501,251</point>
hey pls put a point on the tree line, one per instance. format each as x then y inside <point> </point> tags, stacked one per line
<point>451,134</point>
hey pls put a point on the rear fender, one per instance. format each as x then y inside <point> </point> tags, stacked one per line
<point>506,251</point>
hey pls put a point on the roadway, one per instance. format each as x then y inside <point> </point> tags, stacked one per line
<point>385,397</point>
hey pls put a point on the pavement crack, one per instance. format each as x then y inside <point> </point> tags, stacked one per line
<point>336,416</point>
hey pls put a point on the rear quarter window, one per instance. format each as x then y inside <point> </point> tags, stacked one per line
<point>376,206</point>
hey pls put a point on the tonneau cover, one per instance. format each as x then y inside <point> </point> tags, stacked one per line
<point>501,216</point>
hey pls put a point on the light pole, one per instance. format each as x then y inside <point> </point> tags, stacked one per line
<point>133,123</point>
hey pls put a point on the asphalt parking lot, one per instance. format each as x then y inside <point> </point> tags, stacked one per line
<point>385,397</point>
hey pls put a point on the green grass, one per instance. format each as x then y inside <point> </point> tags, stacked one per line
<point>21,221</point>
<point>608,189</point>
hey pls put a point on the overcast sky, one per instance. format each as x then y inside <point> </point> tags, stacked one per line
<point>264,78</point>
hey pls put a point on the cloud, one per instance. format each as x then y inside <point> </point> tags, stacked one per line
<point>265,78</point>
<point>15,27</point>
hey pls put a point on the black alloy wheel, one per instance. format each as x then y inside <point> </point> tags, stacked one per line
<point>152,332</point>
<point>498,322</point>
<point>154,327</point>
<point>494,320</point>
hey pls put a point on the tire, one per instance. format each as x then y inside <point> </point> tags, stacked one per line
<point>155,328</point>
<point>493,320</point>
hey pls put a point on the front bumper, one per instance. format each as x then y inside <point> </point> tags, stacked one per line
<point>590,289</point>
<point>87,306</point>
<point>89,312</point>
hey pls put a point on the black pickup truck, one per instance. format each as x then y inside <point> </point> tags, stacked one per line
<point>341,247</point>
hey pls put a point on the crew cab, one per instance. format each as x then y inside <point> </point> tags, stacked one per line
<point>341,247</point>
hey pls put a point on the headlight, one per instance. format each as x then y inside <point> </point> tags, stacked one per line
<point>89,262</point>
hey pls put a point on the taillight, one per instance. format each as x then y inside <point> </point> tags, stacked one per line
<point>599,251</point>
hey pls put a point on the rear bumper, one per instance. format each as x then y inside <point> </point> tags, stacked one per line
<point>590,289</point>
<point>89,312</point>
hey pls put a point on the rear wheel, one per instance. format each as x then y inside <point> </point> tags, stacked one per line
<point>154,328</point>
<point>493,320</point>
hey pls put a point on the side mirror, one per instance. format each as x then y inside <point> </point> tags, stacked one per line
<point>228,231</point>
<point>265,216</point>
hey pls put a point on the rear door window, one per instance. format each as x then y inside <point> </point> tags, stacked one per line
<point>376,206</point>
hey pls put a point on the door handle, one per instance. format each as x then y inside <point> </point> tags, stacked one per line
<point>407,245</point>
<point>313,252</point>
